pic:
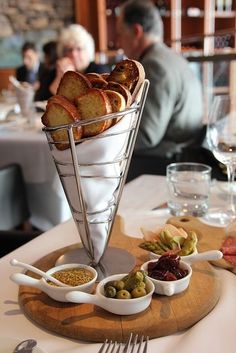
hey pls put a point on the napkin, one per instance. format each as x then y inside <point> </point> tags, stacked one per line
<point>100,167</point>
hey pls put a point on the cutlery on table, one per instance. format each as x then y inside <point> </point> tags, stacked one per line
<point>25,346</point>
<point>135,345</point>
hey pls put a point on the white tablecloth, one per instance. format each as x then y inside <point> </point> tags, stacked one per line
<point>29,148</point>
<point>215,333</point>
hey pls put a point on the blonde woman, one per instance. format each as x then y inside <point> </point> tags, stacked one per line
<point>76,51</point>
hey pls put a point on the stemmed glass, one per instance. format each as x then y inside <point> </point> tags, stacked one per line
<point>221,138</point>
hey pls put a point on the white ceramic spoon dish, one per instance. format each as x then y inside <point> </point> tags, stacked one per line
<point>57,293</point>
<point>115,306</point>
<point>170,288</point>
<point>36,270</point>
<point>211,255</point>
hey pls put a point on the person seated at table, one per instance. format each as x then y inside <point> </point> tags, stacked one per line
<point>29,71</point>
<point>48,73</point>
<point>76,51</point>
<point>173,110</point>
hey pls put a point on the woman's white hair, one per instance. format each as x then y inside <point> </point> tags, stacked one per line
<point>76,35</point>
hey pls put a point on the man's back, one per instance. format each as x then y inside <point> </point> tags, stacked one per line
<point>173,110</point>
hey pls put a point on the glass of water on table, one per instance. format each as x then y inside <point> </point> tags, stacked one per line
<point>189,188</point>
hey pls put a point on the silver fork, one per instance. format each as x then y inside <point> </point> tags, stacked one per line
<point>141,344</point>
<point>109,347</point>
<point>133,345</point>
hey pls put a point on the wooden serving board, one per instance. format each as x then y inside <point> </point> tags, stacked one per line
<point>166,315</point>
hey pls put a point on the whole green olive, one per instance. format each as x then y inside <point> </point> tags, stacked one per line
<point>142,284</point>
<point>139,275</point>
<point>123,294</point>
<point>138,292</point>
<point>119,285</point>
<point>110,283</point>
<point>110,292</point>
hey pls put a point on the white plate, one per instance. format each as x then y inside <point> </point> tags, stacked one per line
<point>7,345</point>
<point>135,220</point>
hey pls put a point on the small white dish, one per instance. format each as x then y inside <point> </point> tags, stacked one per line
<point>115,306</point>
<point>8,344</point>
<point>57,293</point>
<point>153,256</point>
<point>170,288</point>
<point>174,287</point>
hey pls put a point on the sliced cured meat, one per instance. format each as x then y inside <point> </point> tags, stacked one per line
<point>230,258</point>
<point>228,249</point>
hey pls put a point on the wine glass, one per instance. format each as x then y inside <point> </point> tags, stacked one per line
<point>221,138</point>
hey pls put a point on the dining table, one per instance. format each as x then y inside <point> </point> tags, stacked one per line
<point>142,205</point>
<point>22,141</point>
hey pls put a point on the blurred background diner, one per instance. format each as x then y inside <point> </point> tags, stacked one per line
<point>30,70</point>
<point>173,113</point>
<point>48,73</point>
<point>44,39</point>
<point>76,52</point>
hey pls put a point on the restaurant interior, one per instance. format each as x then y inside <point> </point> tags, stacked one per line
<point>94,203</point>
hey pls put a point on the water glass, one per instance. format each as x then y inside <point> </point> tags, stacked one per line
<point>189,188</point>
<point>25,98</point>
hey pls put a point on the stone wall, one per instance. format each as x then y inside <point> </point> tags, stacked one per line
<point>35,20</point>
<point>32,15</point>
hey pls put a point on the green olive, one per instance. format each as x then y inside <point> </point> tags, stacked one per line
<point>123,294</point>
<point>139,275</point>
<point>116,284</point>
<point>119,285</point>
<point>110,292</point>
<point>142,284</point>
<point>138,292</point>
<point>109,283</point>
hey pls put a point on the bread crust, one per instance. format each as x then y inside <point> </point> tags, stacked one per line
<point>97,81</point>
<point>60,100</point>
<point>94,103</point>
<point>118,87</point>
<point>72,85</point>
<point>129,73</point>
<point>58,113</point>
<point>118,103</point>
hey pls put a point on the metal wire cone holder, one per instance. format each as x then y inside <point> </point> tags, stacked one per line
<point>93,172</point>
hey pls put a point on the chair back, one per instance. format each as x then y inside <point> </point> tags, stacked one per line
<point>14,208</point>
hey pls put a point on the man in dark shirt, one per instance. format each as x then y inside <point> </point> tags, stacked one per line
<point>29,71</point>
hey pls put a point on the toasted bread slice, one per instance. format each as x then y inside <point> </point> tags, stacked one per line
<point>72,85</point>
<point>129,73</point>
<point>91,75</point>
<point>98,82</point>
<point>105,75</point>
<point>60,114</point>
<point>93,104</point>
<point>118,87</point>
<point>61,100</point>
<point>117,103</point>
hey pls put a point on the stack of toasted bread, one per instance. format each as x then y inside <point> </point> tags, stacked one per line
<point>86,96</point>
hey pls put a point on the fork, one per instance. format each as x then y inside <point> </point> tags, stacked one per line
<point>109,347</point>
<point>130,345</point>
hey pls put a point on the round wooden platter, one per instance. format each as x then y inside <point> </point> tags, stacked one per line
<point>166,315</point>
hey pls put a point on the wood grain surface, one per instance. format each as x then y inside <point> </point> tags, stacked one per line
<point>166,315</point>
